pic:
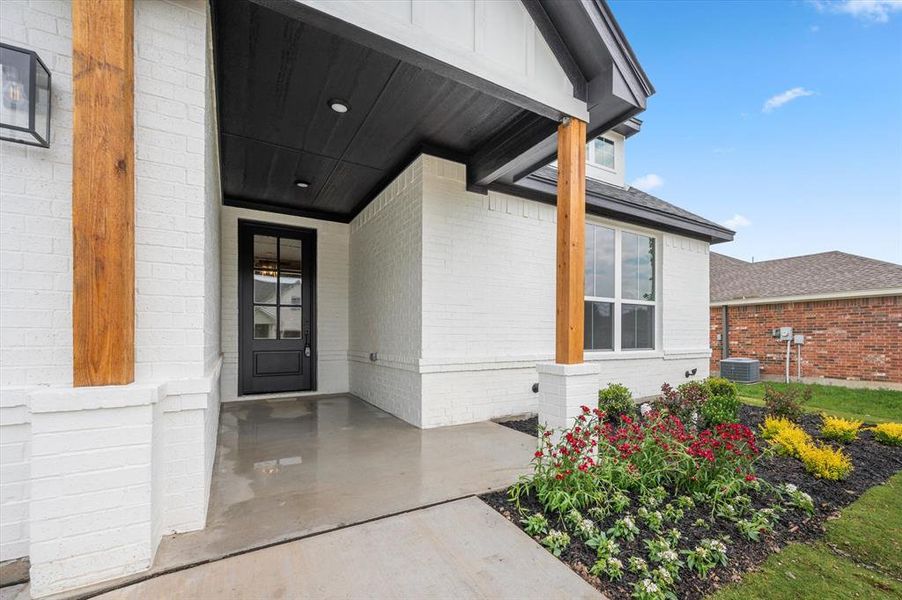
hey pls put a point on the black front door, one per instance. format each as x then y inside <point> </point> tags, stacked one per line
<point>276,279</point>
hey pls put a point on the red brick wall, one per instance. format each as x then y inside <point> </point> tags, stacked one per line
<point>858,338</point>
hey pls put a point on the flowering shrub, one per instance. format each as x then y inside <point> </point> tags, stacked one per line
<point>795,497</point>
<point>611,567</point>
<point>595,461</point>
<point>535,524</point>
<point>825,462</point>
<point>840,430</point>
<point>888,433</point>
<point>707,555</point>
<point>556,541</point>
<point>684,401</point>
<point>788,403</point>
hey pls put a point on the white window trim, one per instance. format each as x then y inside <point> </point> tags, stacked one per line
<point>590,155</point>
<point>618,301</point>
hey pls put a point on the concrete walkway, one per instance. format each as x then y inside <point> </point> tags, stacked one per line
<point>289,468</point>
<point>461,549</point>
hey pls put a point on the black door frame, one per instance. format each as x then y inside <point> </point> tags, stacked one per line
<point>247,227</point>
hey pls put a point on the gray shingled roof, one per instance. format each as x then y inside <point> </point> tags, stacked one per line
<point>824,273</point>
<point>638,198</point>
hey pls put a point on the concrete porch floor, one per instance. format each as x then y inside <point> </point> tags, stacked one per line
<point>289,468</point>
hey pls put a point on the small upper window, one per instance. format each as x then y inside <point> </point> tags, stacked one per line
<point>604,153</point>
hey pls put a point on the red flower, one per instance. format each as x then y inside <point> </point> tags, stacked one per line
<point>750,477</point>
<point>538,453</point>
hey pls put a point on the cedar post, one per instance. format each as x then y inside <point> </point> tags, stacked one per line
<point>571,240</point>
<point>103,192</point>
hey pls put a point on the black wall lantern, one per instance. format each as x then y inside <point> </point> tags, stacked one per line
<point>25,101</point>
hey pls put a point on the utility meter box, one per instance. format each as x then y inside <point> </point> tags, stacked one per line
<point>798,339</point>
<point>784,334</point>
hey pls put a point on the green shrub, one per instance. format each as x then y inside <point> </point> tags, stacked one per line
<point>788,403</point>
<point>720,409</point>
<point>720,386</point>
<point>616,400</point>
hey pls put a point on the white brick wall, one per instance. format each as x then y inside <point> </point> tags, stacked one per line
<point>331,298</point>
<point>386,297</point>
<point>91,477</point>
<point>488,304</point>
<point>35,209</point>
<point>174,222</point>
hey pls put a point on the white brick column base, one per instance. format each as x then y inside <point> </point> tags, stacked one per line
<point>563,389</point>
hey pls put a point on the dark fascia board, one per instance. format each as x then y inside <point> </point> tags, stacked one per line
<point>626,51</point>
<point>542,189</point>
<point>629,128</point>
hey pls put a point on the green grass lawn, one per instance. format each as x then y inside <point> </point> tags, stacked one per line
<point>860,556</point>
<point>872,406</point>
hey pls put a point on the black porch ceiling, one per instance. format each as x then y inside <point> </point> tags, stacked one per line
<point>276,75</point>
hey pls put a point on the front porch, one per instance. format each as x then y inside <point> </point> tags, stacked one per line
<point>289,468</point>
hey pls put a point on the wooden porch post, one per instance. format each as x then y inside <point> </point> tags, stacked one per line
<point>103,193</point>
<point>571,240</point>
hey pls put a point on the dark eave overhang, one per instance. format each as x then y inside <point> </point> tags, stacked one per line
<point>591,48</point>
<point>542,188</point>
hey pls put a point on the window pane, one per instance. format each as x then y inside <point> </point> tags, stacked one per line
<point>604,262</point>
<point>637,327</point>
<point>289,271</point>
<point>599,326</point>
<point>637,264</point>
<point>265,270</point>
<point>599,261</point>
<point>264,322</point>
<point>290,322</point>
<point>604,153</point>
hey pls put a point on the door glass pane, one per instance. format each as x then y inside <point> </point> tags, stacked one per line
<point>599,326</point>
<point>637,267</point>
<point>637,327</point>
<point>290,322</point>
<point>290,271</point>
<point>265,269</point>
<point>264,322</point>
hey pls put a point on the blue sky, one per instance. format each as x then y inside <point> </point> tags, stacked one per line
<point>817,168</point>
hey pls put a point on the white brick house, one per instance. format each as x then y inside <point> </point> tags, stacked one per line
<point>429,206</point>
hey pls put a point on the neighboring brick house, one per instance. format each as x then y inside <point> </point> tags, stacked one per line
<point>849,308</point>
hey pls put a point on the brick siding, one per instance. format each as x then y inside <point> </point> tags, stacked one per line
<point>853,339</point>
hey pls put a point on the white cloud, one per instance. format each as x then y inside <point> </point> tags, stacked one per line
<point>775,102</point>
<point>724,150</point>
<point>648,182</point>
<point>736,222</point>
<point>814,28</point>
<point>871,11</point>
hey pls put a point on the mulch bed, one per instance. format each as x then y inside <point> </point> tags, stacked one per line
<point>874,463</point>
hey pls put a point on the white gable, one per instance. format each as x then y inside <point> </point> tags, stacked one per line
<point>496,40</point>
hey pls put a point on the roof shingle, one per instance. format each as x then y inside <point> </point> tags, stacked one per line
<point>824,273</point>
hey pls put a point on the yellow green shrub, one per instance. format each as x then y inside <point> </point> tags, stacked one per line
<point>888,433</point>
<point>825,462</point>
<point>773,425</point>
<point>785,436</point>
<point>841,430</point>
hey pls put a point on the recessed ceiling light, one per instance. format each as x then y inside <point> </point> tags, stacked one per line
<point>302,184</point>
<point>339,106</point>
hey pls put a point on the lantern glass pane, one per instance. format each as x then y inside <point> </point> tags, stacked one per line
<point>42,105</point>
<point>15,72</point>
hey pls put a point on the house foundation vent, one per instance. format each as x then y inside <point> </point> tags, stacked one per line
<point>741,370</point>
